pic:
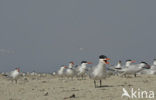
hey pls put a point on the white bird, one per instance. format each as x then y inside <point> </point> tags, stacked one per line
<point>152,70</point>
<point>53,73</point>
<point>99,71</point>
<point>14,74</point>
<point>70,72</point>
<point>153,67</point>
<point>114,69</point>
<point>61,72</point>
<point>81,70</point>
<point>119,65</point>
<point>129,62</point>
<point>133,69</point>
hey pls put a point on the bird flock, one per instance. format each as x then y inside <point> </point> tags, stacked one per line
<point>95,72</point>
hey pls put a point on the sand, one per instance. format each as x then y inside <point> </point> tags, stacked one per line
<point>53,88</point>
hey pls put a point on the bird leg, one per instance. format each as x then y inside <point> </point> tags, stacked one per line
<point>16,81</point>
<point>95,83</point>
<point>100,83</point>
<point>134,75</point>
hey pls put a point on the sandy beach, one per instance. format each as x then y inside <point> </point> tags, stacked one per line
<point>53,88</point>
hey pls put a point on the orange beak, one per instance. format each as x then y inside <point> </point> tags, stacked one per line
<point>133,61</point>
<point>106,60</point>
<point>72,63</point>
<point>18,69</point>
<point>90,63</point>
<point>65,66</point>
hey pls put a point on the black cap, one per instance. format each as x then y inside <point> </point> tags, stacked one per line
<point>143,62</point>
<point>120,61</point>
<point>71,62</point>
<point>128,60</point>
<point>83,62</point>
<point>102,57</point>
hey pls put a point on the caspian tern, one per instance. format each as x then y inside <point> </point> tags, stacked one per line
<point>70,72</point>
<point>81,70</point>
<point>133,69</point>
<point>61,71</point>
<point>118,68</point>
<point>99,71</point>
<point>14,74</point>
<point>152,70</point>
<point>129,62</point>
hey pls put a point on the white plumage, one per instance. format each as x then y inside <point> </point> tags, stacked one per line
<point>82,69</point>
<point>14,74</point>
<point>70,72</point>
<point>99,71</point>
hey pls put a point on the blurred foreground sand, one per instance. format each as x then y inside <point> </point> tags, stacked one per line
<point>52,88</point>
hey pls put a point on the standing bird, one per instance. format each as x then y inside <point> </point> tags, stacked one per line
<point>152,70</point>
<point>127,64</point>
<point>14,74</point>
<point>99,71</point>
<point>81,70</point>
<point>70,72</point>
<point>153,67</point>
<point>133,69</point>
<point>61,71</point>
<point>119,65</point>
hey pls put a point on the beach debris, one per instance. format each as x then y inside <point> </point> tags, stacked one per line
<point>44,81</point>
<point>72,96</point>
<point>46,94</point>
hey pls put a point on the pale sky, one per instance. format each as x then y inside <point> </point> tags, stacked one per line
<point>41,35</point>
